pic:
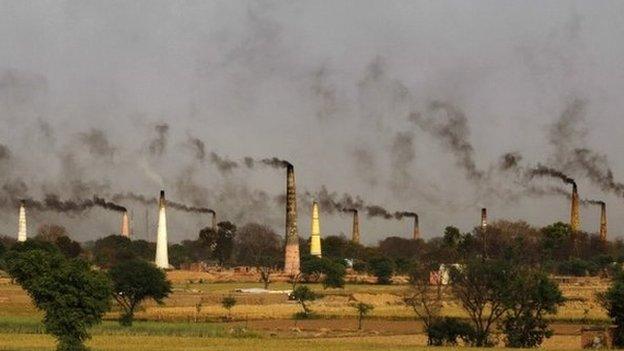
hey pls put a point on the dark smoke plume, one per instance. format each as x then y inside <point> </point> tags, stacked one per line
<point>198,147</point>
<point>52,202</point>
<point>153,201</point>
<point>378,211</point>
<point>597,169</point>
<point>510,161</point>
<point>592,202</point>
<point>5,153</point>
<point>158,145</point>
<point>400,215</point>
<point>275,162</point>
<point>223,164</point>
<point>97,143</point>
<point>543,171</point>
<point>331,202</point>
<point>402,155</point>
<point>453,131</point>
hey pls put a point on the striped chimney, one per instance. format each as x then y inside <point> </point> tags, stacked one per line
<point>483,219</point>
<point>162,256</point>
<point>416,227</point>
<point>291,251</point>
<point>603,221</point>
<point>355,235</point>
<point>214,220</point>
<point>125,225</point>
<point>575,218</point>
<point>22,234</point>
<point>315,232</point>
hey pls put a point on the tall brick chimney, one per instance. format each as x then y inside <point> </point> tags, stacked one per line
<point>416,227</point>
<point>291,254</point>
<point>125,224</point>
<point>355,234</point>
<point>483,219</point>
<point>575,218</point>
<point>603,221</point>
<point>162,255</point>
<point>315,232</point>
<point>22,234</point>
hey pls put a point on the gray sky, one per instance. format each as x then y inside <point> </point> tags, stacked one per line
<point>327,85</point>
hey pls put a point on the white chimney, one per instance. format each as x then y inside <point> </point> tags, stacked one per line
<point>21,225</point>
<point>162,256</point>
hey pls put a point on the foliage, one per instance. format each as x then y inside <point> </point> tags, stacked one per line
<point>303,295</point>
<point>382,268</point>
<point>362,310</point>
<point>446,332</point>
<point>68,247</point>
<point>425,303</point>
<point>50,232</point>
<point>228,302</point>
<point>533,295</point>
<point>111,250</point>
<point>332,273</point>
<point>72,296</point>
<point>220,243</point>
<point>613,302</point>
<point>482,287</point>
<point>135,281</point>
<point>260,247</point>
<point>576,267</point>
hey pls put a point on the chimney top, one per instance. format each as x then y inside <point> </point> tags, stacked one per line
<point>162,194</point>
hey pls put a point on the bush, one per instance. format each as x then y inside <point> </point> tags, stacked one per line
<point>577,268</point>
<point>382,268</point>
<point>613,301</point>
<point>446,332</point>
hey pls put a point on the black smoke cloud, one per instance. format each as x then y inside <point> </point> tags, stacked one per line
<point>223,164</point>
<point>52,202</point>
<point>97,143</point>
<point>450,125</point>
<point>158,145</point>
<point>199,148</point>
<point>145,200</point>
<point>544,171</point>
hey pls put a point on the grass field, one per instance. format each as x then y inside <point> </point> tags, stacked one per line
<point>191,318</point>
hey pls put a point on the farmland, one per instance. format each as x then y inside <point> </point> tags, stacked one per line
<point>192,318</point>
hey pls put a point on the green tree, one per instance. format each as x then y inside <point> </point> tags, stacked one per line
<point>423,299</point>
<point>112,249</point>
<point>72,296</point>
<point>330,273</point>
<point>613,302</point>
<point>228,302</point>
<point>532,296</point>
<point>260,247</point>
<point>382,268</point>
<point>135,281</point>
<point>303,294</point>
<point>362,310</point>
<point>482,287</point>
<point>68,247</point>
<point>220,243</point>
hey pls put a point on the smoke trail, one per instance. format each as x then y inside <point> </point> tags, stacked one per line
<point>97,143</point>
<point>331,202</point>
<point>402,155</point>
<point>510,161</point>
<point>249,162</point>
<point>130,196</point>
<point>400,215</point>
<point>543,171</point>
<point>453,132</point>
<point>52,202</point>
<point>378,211</point>
<point>223,164</point>
<point>597,169</point>
<point>158,145</point>
<point>275,162</point>
<point>199,147</point>
<point>592,202</point>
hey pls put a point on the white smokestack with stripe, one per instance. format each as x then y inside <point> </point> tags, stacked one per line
<point>162,255</point>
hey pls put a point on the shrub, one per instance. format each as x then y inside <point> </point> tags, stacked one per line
<point>446,332</point>
<point>382,268</point>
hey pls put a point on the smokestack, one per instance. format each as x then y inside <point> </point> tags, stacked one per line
<point>214,221</point>
<point>291,254</point>
<point>125,225</point>
<point>315,232</point>
<point>416,228</point>
<point>162,256</point>
<point>355,236</point>
<point>603,221</point>
<point>21,224</point>
<point>575,219</point>
<point>483,219</point>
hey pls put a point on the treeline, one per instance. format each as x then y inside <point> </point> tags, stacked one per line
<point>555,248</point>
